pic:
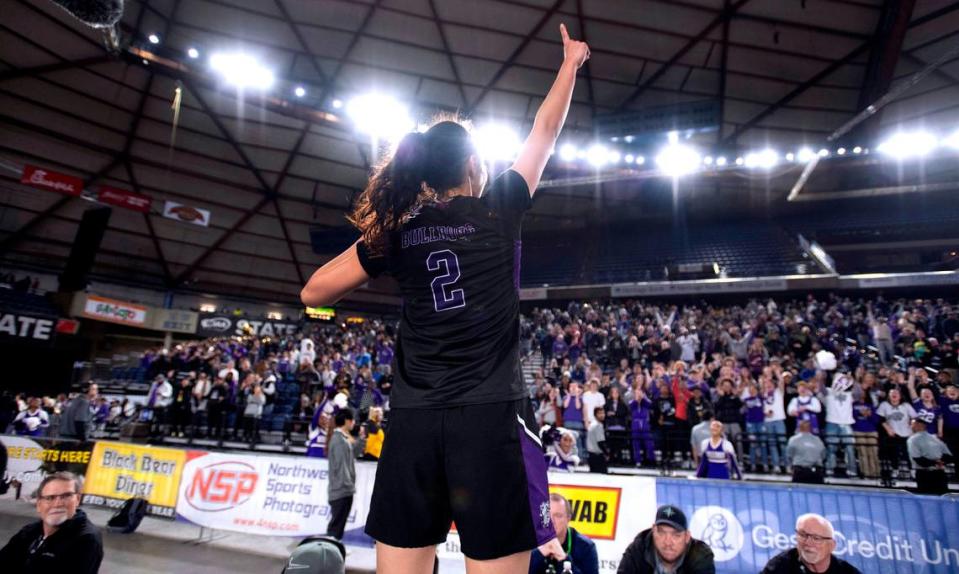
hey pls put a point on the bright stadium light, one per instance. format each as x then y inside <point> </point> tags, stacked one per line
<point>952,140</point>
<point>337,104</point>
<point>630,158</point>
<point>904,145</point>
<point>841,151</point>
<point>708,160</point>
<point>857,150</point>
<point>496,142</point>
<point>380,116</point>
<point>739,160</point>
<point>300,91</point>
<point>721,161</point>
<point>193,53</point>
<point>790,156</point>
<point>613,156</point>
<point>242,70</point>
<point>567,152</point>
<point>676,160</point>
<point>597,155</point>
<point>805,155</point>
<point>640,160</point>
<point>823,152</point>
<point>153,38</point>
<point>766,159</point>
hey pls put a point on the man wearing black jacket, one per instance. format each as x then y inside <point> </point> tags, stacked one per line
<point>63,540</point>
<point>815,543</point>
<point>667,547</point>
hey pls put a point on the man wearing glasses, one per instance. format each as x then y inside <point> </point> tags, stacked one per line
<point>63,540</point>
<point>815,543</point>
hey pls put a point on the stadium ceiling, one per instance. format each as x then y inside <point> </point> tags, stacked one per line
<point>268,167</point>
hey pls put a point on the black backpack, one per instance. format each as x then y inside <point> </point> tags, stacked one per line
<point>128,518</point>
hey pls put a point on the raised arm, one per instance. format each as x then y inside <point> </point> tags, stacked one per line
<point>552,114</point>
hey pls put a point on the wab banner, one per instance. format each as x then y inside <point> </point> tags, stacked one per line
<point>119,471</point>
<point>610,510</point>
<point>30,459</point>
<point>271,495</point>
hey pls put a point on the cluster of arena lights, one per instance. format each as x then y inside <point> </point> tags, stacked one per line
<point>384,118</point>
<point>678,159</point>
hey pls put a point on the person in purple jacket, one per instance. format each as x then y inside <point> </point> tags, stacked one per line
<point>644,448</point>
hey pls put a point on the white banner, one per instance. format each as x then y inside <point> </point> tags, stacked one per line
<point>272,495</point>
<point>610,510</point>
<point>186,213</point>
<point>703,286</point>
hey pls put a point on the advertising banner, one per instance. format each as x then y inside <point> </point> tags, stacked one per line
<point>876,531</point>
<point>27,327</point>
<point>271,495</point>
<point>218,325</point>
<point>695,287</point>
<point>124,198</point>
<point>119,471</point>
<point>610,510</point>
<point>30,459</point>
<point>186,213</point>
<point>114,311</point>
<point>42,178</point>
<point>173,320</point>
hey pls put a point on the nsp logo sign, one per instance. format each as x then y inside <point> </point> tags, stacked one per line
<point>221,486</point>
<point>595,509</point>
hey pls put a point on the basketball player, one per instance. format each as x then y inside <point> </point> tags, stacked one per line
<point>461,444</point>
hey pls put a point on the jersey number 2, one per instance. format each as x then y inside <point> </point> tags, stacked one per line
<point>445,298</point>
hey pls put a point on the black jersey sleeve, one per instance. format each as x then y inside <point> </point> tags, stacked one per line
<point>508,196</point>
<point>374,265</point>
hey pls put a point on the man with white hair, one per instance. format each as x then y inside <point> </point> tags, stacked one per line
<point>63,540</point>
<point>815,543</point>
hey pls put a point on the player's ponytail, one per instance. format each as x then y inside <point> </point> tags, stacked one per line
<point>424,167</point>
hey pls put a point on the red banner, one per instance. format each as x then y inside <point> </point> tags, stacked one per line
<point>124,198</point>
<point>50,180</point>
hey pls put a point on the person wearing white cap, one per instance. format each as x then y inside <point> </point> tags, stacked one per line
<point>929,456</point>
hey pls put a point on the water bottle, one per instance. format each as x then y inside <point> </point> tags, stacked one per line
<point>567,567</point>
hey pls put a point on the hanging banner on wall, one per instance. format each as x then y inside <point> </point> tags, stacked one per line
<point>186,213</point>
<point>31,459</point>
<point>876,531</point>
<point>114,311</point>
<point>610,510</point>
<point>119,471</point>
<point>218,325</point>
<point>272,495</point>
<point>26,327</point>
<point>173,320</point>
<point>124,198</point>
<point>42,178</point>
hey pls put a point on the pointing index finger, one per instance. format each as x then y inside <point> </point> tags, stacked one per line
<point>565,34</point>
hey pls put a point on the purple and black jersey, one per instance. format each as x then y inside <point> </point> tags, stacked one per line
<point>457,264</point>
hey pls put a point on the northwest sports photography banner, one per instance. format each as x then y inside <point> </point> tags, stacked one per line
<point>119,471</point>
<point>30,459</point>
<point>271,495</point>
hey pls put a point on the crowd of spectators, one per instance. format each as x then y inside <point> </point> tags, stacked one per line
<point>223,388</point>
<point>857,372</point>
<point>616,382</point>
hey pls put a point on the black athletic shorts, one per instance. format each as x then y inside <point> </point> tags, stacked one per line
<point>481,466</point>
